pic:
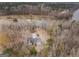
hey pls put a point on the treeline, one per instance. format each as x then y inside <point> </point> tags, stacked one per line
<point>36,8</point>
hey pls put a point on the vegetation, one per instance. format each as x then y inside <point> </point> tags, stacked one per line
<point>52,37</point>
<point>33,51</point>
<point>40,8</point>
<point>8,51</point>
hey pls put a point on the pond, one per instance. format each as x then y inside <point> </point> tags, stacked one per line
<point>76,15</point>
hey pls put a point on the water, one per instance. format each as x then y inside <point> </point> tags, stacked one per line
<point>76,15</point>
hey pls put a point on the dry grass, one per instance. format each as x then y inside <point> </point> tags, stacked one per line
<point>59,37</point>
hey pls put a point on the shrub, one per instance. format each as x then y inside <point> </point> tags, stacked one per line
<point>50,41</point>
<point>59,49</point>
<point>33,51</point>
<point>8,51</point>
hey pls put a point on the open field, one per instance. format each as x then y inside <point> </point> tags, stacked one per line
<point>39,30</point>
<point>55,37</point>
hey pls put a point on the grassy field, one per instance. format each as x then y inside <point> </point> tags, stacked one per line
<point>53,37</point>
<point>25,17</point>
